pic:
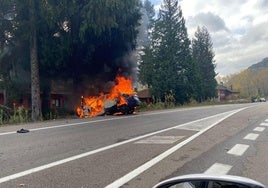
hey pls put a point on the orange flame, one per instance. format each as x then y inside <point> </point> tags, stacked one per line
<point>94,105</point>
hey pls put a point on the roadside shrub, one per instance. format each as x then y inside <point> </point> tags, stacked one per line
<point>20,115</point>
<point>5,114</point>
<point>55,113</point>
<point>170,100</point>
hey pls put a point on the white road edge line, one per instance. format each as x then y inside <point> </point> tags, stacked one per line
<point>134,173</point>
<point>219,169</point>
<point>67,125</point>
<point>96,121</point>
<point>238,149</point>
<point>126,178</point>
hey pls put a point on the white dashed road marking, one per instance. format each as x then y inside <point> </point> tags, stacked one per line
<point>259,129</point>
<point>264,124</point>
<point>140,169</point>
<point>219,169</point>
<point>251,136</point>
<point>126,178</point>
<point>238,149</point>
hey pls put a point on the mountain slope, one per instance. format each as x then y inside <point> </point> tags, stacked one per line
<point>262,64</point>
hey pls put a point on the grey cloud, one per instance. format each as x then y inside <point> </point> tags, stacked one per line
<point>221,40</point>
<point>212,22</point>
<point>258,33</point>
<point>230,3</point>
<point>262,4</point>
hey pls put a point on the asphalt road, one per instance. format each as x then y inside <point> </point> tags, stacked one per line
<point>137,150</point>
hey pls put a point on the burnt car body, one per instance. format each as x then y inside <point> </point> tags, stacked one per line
<point>128,108</point>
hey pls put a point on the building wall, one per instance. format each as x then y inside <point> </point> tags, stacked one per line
<point>1,98</point>
<point>56,100</point>
<point>221,95</point>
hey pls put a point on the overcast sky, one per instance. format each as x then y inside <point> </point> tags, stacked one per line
<point>238,28</point>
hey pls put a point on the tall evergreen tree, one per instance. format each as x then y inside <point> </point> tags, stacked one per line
<point>8,51</point>
<point>92,36</point>
<point>167,63</point>
<point>146,23</point>
<point>69,39</point>
<point>150,12</point>
<point>203,56</point>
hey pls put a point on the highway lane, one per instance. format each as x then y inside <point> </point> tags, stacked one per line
<point>21,152</point>
<point>227,148</point>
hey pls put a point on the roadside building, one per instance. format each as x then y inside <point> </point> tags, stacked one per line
<point>226,93</point>
<point>145,96</point>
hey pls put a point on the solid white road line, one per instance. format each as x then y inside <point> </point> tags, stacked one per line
<point>238,149</point>
<point>266,120</point>
<point>121,181</point>
<point>7,133</point>
<point>89,122</point>
<point>139,170</point>
<point>259,129</point>
<point>264,124</point>
<point>102,120</point>
<point>67,125</point>
<point>251,136</point>
<point>219,169</point>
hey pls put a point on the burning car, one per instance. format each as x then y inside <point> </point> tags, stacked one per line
<point>121,99</point>
<point>125,104</point>
<point>128,108</point>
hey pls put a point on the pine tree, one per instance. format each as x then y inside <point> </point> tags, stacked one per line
<point>6,46</point>
<point>67,40</point>
<point>150,12</point>
<point>167,62</point>
<point>203,56</point>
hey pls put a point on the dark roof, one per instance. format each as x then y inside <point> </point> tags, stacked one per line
<point>222,87</point>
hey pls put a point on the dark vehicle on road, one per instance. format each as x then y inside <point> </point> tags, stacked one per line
<point>128,108</point>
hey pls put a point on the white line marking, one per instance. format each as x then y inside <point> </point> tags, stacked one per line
<point>126,178</point>
<point>259,129</point>
<point>102,120</point>
<point>138,170</point>
<point>6,133</point>
<point>89,122</point>
<point>266,120</point>
<point>219,169</point>
<point>65,125</point>
<point>160,140</point>
<point>200,125</point>
<point>264,124</point>
<point>110,119</point>
<point>251,136</point>
<point>238,149</point>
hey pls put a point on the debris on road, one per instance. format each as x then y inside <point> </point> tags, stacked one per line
<point>23,131</point>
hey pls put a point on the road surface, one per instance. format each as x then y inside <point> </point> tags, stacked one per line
<point>137,150</point>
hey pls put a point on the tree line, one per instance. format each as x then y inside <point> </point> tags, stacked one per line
<point>47,40</point>
<point>172,63</point>
<point>82,40</point>
<point>249,82</point>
